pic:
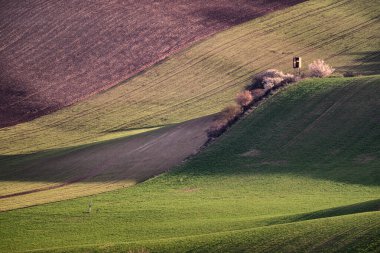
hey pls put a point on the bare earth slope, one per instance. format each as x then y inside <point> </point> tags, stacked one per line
<point>53,53</point>
<point>101,167</point>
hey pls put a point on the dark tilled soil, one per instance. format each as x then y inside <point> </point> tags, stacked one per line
<point>54,53</point>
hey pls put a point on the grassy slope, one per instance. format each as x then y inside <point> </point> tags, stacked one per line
<point>352,233</point>
<point>319,154</point>
<point>203,79</point>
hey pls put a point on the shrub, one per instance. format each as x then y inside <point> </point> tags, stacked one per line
<point>262,84</point>
<point>244,98</point>
<point>349,74</point>
<point>271,78</point>
<point>230,112</point>
<point>224,120</point>
<point>270,82</point>
<point>217,128</point>
<point>319,68</point>
<point>258,93</point>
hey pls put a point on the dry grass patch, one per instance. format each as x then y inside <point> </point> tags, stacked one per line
<point>365,158</point>
<point>252,153</point>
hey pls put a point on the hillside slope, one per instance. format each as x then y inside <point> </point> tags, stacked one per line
<point>203,79</point>
<point>53,54</point>
<point>196,82</point>
<point>300,173</point>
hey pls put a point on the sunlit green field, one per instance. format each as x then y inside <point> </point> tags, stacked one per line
<point>300,173</point>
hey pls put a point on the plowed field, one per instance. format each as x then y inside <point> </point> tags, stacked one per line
<point>55,53</point>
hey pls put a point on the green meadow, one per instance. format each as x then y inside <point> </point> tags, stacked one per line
<point>300,173</point>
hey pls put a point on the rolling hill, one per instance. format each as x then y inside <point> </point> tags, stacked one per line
<point>299,173</point>
<point>204,78</point>
<point>53,54</point>
<point>196,82</point>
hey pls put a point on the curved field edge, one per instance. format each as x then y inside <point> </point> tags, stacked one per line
<point>351,233</point>
<point>309,152</point>
<point>102,167</point>
<point>204,78</point>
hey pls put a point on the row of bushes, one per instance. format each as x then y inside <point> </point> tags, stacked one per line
<point>261,85</point>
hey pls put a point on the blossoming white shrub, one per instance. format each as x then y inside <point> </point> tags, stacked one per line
<point>319,68</point>
<point>271,78</point>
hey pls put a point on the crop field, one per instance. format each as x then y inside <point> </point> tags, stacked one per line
<point>196,82</point>
<point>53,54</point>
<point>300,173</point>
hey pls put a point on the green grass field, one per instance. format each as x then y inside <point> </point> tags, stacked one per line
<point>198,81</point>
<point>300,173</point>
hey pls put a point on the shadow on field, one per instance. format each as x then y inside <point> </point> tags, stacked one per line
<point>368,63</point>
<point>367,206</point>
<point>59,165</point>
<point>239,13</point>
<point>135,158</point>
<point>14,92</point>
<point>226,15</point>
<point>361,207</point>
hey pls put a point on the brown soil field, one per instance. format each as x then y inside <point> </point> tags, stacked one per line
<point>54,53</point>
<point>101,167</point>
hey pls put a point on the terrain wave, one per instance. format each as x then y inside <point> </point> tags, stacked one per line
<point>53,54</point>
